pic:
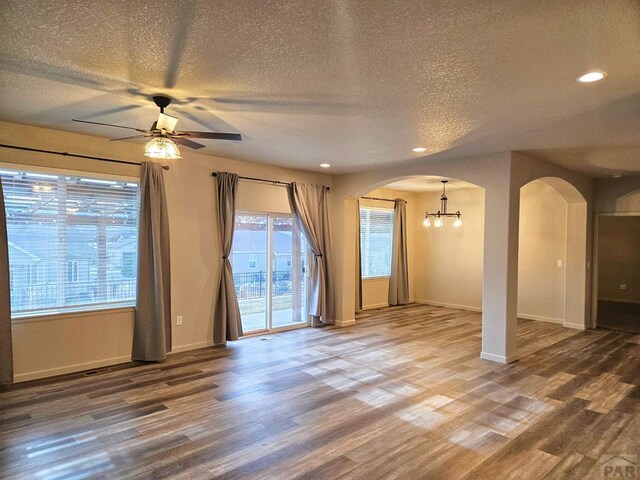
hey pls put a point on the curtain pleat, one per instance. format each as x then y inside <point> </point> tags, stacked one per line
<point>227,324</point>
<point>152,325</point>
<point>6,345</point>
<point>399,278</point>
<point>309,205</point>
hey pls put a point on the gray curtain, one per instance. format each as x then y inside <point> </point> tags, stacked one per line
<point>399,278</point>
<point>359,261</point>
<point>227,324</point>
<point>6,346</point>
<point>152,325</point>
<point>309,205</point>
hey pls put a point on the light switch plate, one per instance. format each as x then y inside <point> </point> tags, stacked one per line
<point>623,286</point>
<point>179,320</point>
<point>560,263</point>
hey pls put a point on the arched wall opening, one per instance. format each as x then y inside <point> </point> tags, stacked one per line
<point>616,297</point>
<point>501,175</point>
<point>629,202</point>
<point>445,264</point>
<point>552,253</point>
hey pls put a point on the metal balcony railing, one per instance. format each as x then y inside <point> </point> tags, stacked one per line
<point>26,298</point>
<point>254,284</point>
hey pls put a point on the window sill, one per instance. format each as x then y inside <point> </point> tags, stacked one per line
<point>58,314</point>
<point>375,279</point>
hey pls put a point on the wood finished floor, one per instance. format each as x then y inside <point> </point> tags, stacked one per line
<point>402,394</point>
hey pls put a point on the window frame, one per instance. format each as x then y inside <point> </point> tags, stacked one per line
<point>72,310</point>
<point>270,214</point>
<point>379,208</point>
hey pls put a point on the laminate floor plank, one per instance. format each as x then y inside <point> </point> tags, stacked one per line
<point>401,394</point>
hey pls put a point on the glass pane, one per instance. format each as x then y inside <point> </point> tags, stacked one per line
<point>72,241</point>
<point>288,263</point>
<point>249,262</point>
<point>376,237</point>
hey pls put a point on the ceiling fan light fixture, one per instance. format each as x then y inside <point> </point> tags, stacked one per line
<point>162,148</point>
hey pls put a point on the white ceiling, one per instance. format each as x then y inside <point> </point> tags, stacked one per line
<point>424,183</point>
<point>352,83</point>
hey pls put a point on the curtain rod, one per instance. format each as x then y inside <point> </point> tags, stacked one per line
<point>67,154</point>
<point>264,180</point>
<point>380,199</point>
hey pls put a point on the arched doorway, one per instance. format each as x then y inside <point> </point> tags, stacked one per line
<point>445,264</point>
<point>552,253</point>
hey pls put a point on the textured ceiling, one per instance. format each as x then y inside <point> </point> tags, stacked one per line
<point>425,183</point>
<point>352,83</point>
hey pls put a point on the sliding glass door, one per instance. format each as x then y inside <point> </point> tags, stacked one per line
<point>269,261</point>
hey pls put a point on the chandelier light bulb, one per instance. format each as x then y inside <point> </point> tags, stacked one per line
<point>457,223</point>
<point>427,222</point>
<point>437,223</point>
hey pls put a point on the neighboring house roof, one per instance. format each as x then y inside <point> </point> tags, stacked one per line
<point>21,255</point>
<point>245,241</point>
<point>30,246</point>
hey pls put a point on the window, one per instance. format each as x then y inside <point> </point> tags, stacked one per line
<point>72,271</point>
<point>72,241</point>
<point>253,261</point>
<point>376,236</point>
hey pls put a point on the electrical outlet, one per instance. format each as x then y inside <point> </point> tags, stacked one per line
<point>179,320</point>
<point>623,286</point>
<point>559,263</point>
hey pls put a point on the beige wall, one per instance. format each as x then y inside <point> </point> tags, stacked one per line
<point>619,258</point>
<point>99,338</point>
<point>543,242</point>
<point>450,260</point>
<point>375,291</point>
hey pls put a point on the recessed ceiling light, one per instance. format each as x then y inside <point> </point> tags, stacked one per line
<point>591,77</point>
<point>419,149</point>
<point>616,175</point>
<point>325,165</point>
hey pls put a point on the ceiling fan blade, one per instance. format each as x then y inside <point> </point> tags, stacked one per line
<point>109,125</point>
<point>127,138</point>
<point>187,143</point>
<point>212,135</point>
<point>166,122</point>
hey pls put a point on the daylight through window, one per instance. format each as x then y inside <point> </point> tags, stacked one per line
<point>72,241</point>
<point>376,235</point>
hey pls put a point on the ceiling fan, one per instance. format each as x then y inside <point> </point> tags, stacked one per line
<point>164,134</point>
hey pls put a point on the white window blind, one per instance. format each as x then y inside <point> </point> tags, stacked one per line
<point>72,241</point>
<point>376,236</point>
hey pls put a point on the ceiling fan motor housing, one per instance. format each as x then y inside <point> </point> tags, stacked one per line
<point>161,101</point>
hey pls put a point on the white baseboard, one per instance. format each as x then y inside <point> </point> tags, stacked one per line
<point>190,346</point>
<point>541,318</point>
<point>498,358</point>
<point>375,306</point>
<point>577,326</point>
<point>345,323</point>
<point>107,362</point>
<point>448,305</point>
<point>618,300</point>
<point>78,367</point>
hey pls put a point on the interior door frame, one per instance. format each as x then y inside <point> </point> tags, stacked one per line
<point>594,279</point>
<point>269,263</point>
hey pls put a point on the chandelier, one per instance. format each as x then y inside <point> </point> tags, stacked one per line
<point>442,213</point>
